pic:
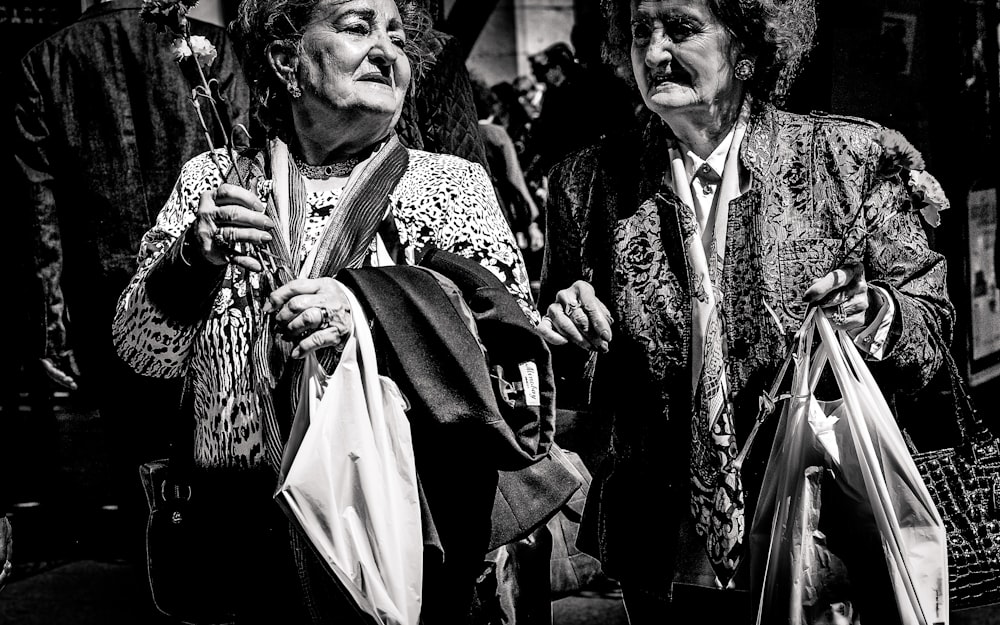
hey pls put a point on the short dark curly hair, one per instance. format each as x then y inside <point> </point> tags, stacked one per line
<point>260,23</point>
<point>777,33</point>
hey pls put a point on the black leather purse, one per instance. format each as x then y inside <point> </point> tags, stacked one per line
<point>964,482</point>
<point>178,547</point>
<point>186,534</point>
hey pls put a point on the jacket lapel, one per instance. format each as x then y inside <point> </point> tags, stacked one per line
<point>755,336</point>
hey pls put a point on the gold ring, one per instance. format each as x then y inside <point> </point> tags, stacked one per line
<point>570,309</point>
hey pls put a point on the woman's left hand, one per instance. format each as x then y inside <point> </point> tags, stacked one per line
<point>844,296</point>
<point>312,312</point>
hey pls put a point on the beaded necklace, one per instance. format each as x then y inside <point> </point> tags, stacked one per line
<point>338,169</point>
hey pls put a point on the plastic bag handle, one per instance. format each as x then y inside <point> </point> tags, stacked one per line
<point>842,369</point>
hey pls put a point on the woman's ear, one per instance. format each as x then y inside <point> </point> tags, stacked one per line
<point>284,59</point>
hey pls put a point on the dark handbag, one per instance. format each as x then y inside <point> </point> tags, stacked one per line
<point>964,482</point>
<point>178,548</point>
<point>186,533</point>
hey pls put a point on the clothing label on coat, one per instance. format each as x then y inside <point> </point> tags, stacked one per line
<point>529,378</point>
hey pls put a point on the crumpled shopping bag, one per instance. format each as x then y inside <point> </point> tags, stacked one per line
<point>857,439</point>
<point>349,484</point>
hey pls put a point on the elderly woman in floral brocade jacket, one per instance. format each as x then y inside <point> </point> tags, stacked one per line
<point>685,261</point>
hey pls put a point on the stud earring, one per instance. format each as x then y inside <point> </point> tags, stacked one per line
<point>744,69</point>
<point>294,90</point>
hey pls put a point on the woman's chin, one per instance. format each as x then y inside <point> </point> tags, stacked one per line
<point>665,99</point>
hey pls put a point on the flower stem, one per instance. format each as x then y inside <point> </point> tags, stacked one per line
<point>207,89</point>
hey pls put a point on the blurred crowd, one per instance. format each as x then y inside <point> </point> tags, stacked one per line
<point>530,123</point>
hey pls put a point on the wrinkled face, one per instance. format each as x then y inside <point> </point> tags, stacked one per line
<point>682,56</point>
<point>352,58</point>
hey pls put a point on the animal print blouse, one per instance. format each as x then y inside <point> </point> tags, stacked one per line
<point>441,200</point>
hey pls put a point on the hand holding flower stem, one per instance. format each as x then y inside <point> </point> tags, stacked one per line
<point>192,50</point>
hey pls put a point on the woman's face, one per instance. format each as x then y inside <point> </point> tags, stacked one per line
<point>352,61</point>
<point>682,57</point>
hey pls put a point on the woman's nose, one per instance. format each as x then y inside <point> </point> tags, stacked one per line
<point>384,52</point>
<point>659,51</point>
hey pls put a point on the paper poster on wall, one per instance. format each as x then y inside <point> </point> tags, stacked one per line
<point>982,273</point>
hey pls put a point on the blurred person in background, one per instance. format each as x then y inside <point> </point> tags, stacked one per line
<point>577,108</point>
<point>102,123</point>
<point>505,169</point>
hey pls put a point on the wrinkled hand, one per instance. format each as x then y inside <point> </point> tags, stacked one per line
<point>577,317</point>
<point>844,296</point>
<point>312,312</point>
<point>6,550</point>
<point>229,218</point>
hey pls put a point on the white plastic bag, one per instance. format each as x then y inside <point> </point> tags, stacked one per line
<point>857,437</point>
<point>349,480</point>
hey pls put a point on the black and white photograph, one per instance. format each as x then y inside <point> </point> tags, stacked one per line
<point>500,312</point>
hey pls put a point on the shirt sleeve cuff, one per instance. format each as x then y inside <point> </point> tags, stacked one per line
<point>872,341</point>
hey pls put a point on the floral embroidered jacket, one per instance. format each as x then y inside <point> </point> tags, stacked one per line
<point>814,193</point>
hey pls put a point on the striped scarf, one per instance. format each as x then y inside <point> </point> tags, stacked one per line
<point>343,244</point>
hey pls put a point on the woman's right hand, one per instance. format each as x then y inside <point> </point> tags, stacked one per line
<point>229,218</point>
<point>577,316</point>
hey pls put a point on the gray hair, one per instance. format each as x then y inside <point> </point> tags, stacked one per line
<point>778,34</point>
<point>259,23</point>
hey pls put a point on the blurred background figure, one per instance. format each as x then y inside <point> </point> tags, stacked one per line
<point>529,94</point>
<point>578,107</point>
<point>102,123</point>
<point>505,170</point>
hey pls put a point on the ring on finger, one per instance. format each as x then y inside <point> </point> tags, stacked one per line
<point>569,309</point>
<point>327,318</point>
<point>838,317</point>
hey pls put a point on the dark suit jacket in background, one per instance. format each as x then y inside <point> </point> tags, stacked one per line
<point>103,122</point>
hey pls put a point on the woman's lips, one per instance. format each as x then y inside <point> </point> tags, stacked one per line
<point>659,81</point>
<point>376,77</point>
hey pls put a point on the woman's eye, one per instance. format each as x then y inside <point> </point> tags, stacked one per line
<point>359,28</point>
<point>679,30</point>
<point>641,32</point>
<point>397,41</point>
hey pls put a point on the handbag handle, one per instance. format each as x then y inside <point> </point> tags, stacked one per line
<point>970,427</point>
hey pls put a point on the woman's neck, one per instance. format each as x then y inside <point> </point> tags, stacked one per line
<point>701,133</point>
<point>318,153</point>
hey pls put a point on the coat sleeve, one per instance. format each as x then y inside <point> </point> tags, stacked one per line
<point>151,341</point>
<point>899,259</point>
<point>34,149</point>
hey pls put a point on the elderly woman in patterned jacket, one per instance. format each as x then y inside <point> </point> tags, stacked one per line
<point>221,297</point>
<point>683,264</point>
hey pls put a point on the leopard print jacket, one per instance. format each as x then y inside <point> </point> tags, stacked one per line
<point>441,200</point>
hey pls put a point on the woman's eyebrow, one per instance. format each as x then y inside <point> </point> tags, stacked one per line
<point>367,14</point>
